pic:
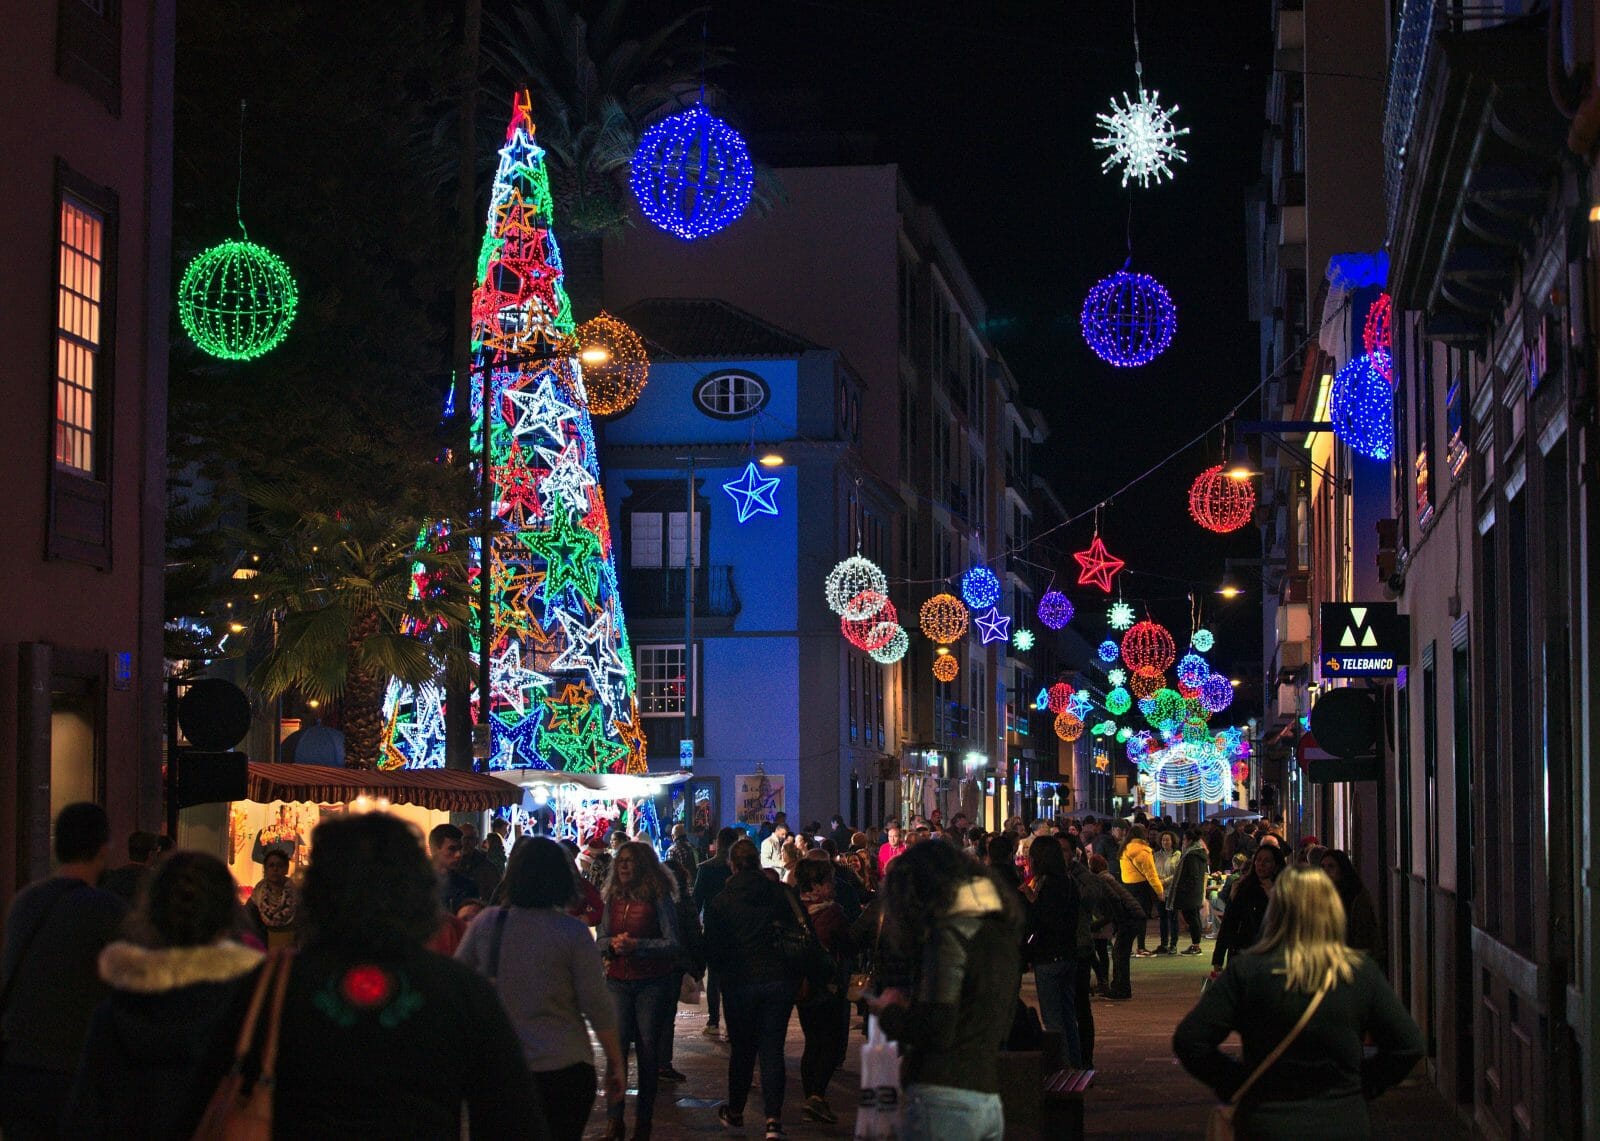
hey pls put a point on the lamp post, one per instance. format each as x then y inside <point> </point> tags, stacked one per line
<point>491,410</point>
<point>690,551</point>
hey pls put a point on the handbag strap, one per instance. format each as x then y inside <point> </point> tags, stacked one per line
<point>1266,1063</point>
<point>494,943</point>
<point>269,1055</point>
<point>27,943</point>
<point>247,1028</point>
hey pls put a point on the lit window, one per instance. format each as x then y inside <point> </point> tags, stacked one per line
<point>645,527</point>
<point>731,395</point>
<point>659,672</point>
<point>79,293</point>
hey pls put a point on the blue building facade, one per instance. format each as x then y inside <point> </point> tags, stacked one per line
<point>779,708</point>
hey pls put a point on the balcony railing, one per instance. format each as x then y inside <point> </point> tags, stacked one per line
<point>657,592</point>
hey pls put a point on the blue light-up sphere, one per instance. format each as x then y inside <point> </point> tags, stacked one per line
<point>1055,610</point>
<point>980,589</point>
<point>1128,319</point>
<point>1216,693</point>
<point>1108,651</point>
<point>1202,640</point>
<point>692,174</point>
<point>1361,405</point>
<point>1193,670</point>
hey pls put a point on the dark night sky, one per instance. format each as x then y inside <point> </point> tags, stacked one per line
<point>989,108</point>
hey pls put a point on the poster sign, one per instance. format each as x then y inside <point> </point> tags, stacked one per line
<point>1364,639</point>
<point>757,797</point>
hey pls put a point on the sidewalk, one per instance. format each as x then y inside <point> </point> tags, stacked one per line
<point>1140,1091</point>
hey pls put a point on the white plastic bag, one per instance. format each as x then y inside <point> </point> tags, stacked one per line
<point>878,1118</point>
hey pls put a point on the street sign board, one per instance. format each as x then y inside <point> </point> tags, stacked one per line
<point>1364,639</point>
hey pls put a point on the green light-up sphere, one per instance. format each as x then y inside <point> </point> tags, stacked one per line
<point>237,300</point>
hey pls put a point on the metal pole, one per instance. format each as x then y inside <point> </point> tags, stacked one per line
<point>482,740</point>
<point>689,554</point>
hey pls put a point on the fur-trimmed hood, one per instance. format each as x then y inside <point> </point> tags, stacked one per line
<point>146,970</point>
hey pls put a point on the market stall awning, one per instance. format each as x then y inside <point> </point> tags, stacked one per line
<point>442,789</point>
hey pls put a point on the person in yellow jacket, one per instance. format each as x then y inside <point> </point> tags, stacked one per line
<point>1140,877</point>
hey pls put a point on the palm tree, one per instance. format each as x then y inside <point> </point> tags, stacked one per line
<point>333,601</point>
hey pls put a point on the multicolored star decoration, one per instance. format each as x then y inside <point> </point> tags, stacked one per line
<point>562,682</point>
<point>1099,565</point>
<point>752,493</point>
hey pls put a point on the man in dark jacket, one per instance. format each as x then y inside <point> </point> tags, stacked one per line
<point>1189,887</point>
<point>757,983</point>
<point>54,934</point>
<point>840,834</point>
<point>710,878</point>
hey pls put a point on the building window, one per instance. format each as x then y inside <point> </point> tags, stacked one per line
<point>655,539</point>
<point>80,281</point>
<point>660,675</point>
<point>89,48</point>
<point>731,395</point>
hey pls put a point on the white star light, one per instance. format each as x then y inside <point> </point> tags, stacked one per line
<point>589,648</point>
<point>509,681</point>
<point>1141,137</point>
<point>541,410</point>
<point>569,481</point>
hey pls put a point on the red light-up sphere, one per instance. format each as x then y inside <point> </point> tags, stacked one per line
<point>1221,503</point>
<point>875,631</point>
<point>1148,648</point>
<point>1376,336</point>
<point>1057,697</point>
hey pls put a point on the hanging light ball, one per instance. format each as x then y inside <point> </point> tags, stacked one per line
<point>1055,609</point>
<point>1123,734</point>
<point>237,300</point>
<point>1108,651</point>
<point>1069,726</point>
<point>1148,648</point>
<point>943,618</point>
<point>1060,697</point>
<point>1128,319</point>
<point>1120,616</point>
<point>894,649</point>
<point>980,588</point>
<point>1361,406</point>
<point>1192,670</point>
<point>1202,640</point>
<point>1118,701</point>
<point>1168,709</point>
<point>1022,640</point>
<point>1188,690</point>
<point>1376,336</point>
<point>615,364</point>
<point>692,174</point>
<point>945,667</point>
<point>1216,693</point>
<point>853,582</point>
<point>1220,503</point>
<point>1118,676</point>
<point>875,631</point>
<point>1145,685</point>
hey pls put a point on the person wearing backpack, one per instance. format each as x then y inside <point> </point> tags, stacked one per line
<point>824,1010</point>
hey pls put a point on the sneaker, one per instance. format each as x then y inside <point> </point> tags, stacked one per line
<point>815,1109</point>
<point>723,1037</point>
<point>1141,953</point>
<point>668,1074</point>
<point>1163,950</point>
<point>711,1030</point>
<point>775,1130</point>
<point>1191,949</point>
<point>728,1117</point>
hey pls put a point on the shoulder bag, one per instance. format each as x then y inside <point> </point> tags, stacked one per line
<point>1220,1127</point>
<point>805,956</point>
<point>237,1112</point>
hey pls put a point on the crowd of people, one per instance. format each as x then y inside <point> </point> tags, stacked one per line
<point>342,991</point>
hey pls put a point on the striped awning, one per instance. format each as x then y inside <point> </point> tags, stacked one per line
<point>442,789</point>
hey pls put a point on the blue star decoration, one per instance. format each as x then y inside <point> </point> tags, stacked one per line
<point>993,626</point>
<point>752,493</point>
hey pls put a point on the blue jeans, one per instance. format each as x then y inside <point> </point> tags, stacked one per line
<point>1057,986</point>
<point>757,1017</point>
<point>947,1113</point>
<point>642,1006</point>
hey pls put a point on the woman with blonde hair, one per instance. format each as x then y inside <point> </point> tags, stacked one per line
<point>1301,1001</point>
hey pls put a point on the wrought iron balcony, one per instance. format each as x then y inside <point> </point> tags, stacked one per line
<point>657,592</point>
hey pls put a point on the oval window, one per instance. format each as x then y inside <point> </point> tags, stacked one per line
<point>731,395</point>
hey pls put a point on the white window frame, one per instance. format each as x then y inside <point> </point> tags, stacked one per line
<point>649,662</point>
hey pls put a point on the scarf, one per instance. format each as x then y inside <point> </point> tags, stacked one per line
<point>276,904</point>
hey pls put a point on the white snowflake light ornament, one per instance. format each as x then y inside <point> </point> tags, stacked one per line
<point>1141,137</point>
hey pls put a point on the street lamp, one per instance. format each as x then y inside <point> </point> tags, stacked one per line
<point>594,355</point>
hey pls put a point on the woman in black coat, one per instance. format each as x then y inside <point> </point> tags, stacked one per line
<point>1189,888</point>
<point>171,984</point>
<point>1241,923</point>
<point>1319,1088</point>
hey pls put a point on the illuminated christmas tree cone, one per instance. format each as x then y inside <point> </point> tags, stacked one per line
<point>562,681</point>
